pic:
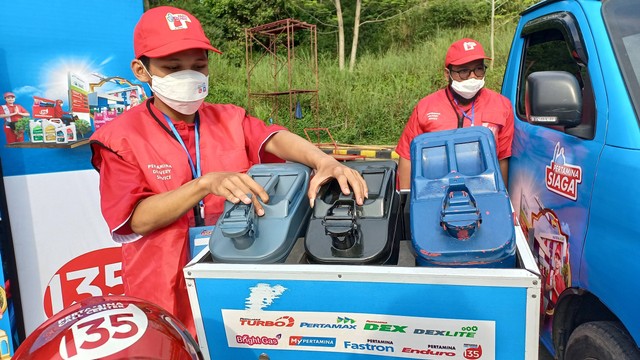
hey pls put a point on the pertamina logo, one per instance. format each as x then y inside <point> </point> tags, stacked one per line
<point>562,178</point>
<point>469,45</point>
<point>177,21</point>
<point>284,321</point>
<point>312,341</point>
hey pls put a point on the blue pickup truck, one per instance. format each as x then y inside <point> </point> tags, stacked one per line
<point>573,76</point>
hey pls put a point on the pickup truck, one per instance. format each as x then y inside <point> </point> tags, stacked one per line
<point>573,76</point>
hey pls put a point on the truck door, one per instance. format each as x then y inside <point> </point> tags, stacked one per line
<point>552,168</point>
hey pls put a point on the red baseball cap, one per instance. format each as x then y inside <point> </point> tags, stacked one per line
<point>166,30</point>
<point>464,51</point>
<point>9,94</point>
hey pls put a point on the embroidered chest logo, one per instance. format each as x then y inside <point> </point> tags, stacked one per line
<point>432,116</point>
<point>161,172</point>
<point>563,178</point>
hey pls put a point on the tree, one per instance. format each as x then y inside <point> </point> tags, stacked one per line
<point>83,127</point>
<point>379,12</point>
<point>356,34</point>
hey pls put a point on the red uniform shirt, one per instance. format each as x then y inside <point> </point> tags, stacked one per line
<point>435,112</point>
<point>137,156</point>
<point>8,109</point>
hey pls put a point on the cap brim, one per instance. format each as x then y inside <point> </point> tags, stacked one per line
<point>174,47</point>
<point>468,59</point>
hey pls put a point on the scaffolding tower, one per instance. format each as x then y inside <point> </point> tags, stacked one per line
<point>282,70</point>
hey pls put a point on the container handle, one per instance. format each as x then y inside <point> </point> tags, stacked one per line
<point>340,223</point>
<point>460,216</point>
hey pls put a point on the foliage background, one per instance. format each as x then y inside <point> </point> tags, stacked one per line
<point>400,57</point>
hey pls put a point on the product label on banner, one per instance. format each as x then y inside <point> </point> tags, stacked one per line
<point>357,333</point>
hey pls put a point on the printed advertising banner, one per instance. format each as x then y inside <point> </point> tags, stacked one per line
<point>64,72</point>
<point>551,194</point>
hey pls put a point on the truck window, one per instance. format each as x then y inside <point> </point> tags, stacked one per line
<point>621,19</point>
<point>548,50</point>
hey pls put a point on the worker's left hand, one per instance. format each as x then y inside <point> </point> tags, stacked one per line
<point>348,178</point>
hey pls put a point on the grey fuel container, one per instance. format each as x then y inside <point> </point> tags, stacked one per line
<point>342,232</point>
<point>240,236</point>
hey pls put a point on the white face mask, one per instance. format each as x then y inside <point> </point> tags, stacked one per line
<point>467,88</point>
<point>183,91</point>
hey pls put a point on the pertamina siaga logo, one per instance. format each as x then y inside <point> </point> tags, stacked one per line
<point>472,351</point>
<point>284,321</point>
<point>563,178</point>
<point>96,273</point>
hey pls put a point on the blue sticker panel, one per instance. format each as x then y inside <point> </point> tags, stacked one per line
<point>505,306</point>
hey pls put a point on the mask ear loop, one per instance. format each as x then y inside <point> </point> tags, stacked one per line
<point>147,71</point>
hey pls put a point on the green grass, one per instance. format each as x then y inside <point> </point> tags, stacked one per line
<point>367,106</point>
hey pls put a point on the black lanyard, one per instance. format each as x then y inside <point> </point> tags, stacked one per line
<point>455,106</point>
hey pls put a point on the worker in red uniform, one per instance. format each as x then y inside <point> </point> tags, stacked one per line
<point>171,162</point>
<point>11,113</point>
<point>555,283</point>
<point>463,102</point>
<point>57,110</point>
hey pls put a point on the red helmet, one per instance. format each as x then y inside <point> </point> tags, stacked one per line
<point>110,328</point>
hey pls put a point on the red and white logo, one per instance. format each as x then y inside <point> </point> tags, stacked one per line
<point>283,321</point>
<point>96,273</point>
<point>177,21</point>
<point>562,178</point>
<point>472,352</point>
<point>469,45</point>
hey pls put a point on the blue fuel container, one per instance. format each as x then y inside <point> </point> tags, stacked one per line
<point>342,232</point>
<point>240,236</point>
<point>460,212</point>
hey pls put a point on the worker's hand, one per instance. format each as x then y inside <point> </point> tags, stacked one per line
<point>348,178</point>
<point>236,188</point>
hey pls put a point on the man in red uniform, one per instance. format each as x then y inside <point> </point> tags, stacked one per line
<point>171,162</point>
<point>463,102</point>
<point>11,113</point>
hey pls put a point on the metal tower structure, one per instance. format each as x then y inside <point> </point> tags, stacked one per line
<point>282,70</point>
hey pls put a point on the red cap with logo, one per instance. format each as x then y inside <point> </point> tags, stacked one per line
<point>9,94</point>
<point>464,51</point>
<point>165,30</point>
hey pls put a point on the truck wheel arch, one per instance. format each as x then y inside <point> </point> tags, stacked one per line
<point>576,307</point>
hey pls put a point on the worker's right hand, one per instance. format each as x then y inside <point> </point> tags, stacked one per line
<point>236,188</point>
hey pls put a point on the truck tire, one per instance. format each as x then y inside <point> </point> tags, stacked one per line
<point>601,340</point>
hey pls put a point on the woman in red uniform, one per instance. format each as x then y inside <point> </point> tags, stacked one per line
<point>171,162</point>
<point>11,112</point>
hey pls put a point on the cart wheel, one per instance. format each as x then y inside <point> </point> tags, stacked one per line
<point>601,340</point>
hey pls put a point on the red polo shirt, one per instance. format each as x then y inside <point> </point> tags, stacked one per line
<point>435,112</point>
<point>137,156</point>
